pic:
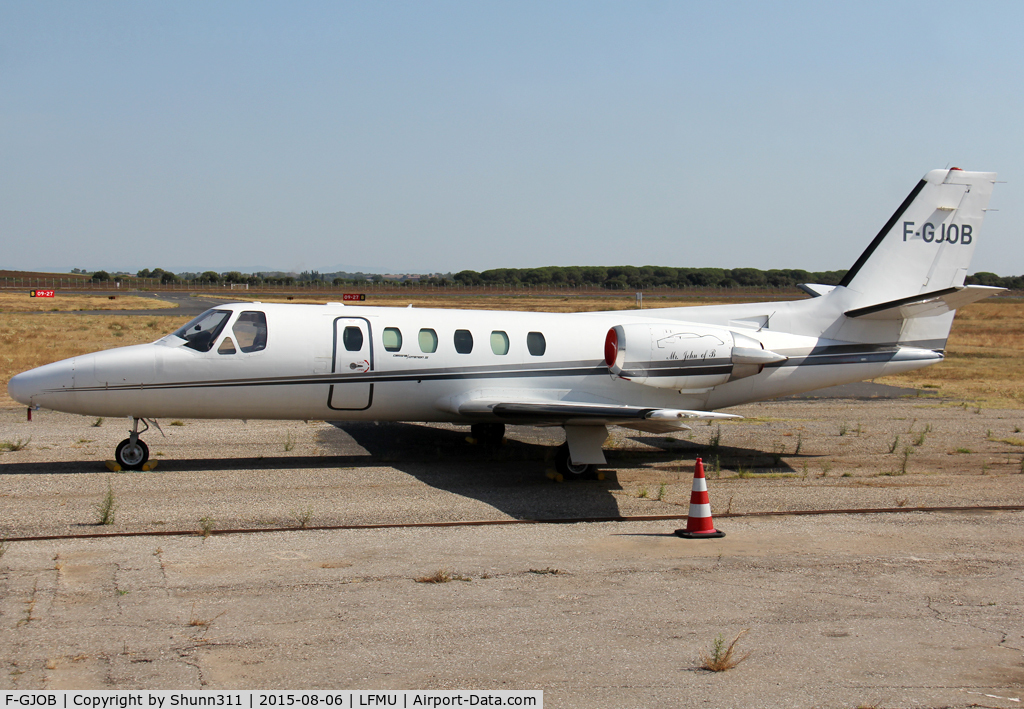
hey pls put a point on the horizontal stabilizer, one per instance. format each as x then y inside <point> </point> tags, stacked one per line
<point>925,305</point>
<point>562,412</point>
<point>815,290</point>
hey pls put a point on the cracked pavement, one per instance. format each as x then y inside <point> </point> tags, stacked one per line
<point>894,610</point>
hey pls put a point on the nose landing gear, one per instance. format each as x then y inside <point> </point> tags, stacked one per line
<point>132,453</point>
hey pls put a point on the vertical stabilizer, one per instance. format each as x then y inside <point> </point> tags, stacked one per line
<point>927,244</point>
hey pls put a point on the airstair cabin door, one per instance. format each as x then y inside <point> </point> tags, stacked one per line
<point>352,384</point>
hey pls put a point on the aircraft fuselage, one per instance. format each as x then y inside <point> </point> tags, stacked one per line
<point>408,366</point>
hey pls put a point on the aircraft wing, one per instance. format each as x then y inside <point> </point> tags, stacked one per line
<point>559,413</point>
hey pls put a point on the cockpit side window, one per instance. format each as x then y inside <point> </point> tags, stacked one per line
<point>200,334</point>
<point>251,331</point>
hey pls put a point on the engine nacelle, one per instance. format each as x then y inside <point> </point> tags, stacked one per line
<point>684,356</point>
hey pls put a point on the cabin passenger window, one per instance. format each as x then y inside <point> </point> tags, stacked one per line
<point>201,333</point>
<point>251,331</point>
<point>499,343</point>
<point>463,341</point>
<point>226,346</point>
<point>536,344</point>
<point>352,338</point>
<point>428,340</point>
<point>392,339</point>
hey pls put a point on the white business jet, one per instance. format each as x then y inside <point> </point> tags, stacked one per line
<point>650,370</point>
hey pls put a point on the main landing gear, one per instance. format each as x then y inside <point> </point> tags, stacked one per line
<point>132,453</point>
<point>569,470</point>
<point>579,456</point>
<point>487,434</point>
<point>587,440</point>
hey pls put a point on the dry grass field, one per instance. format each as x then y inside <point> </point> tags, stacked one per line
<point>984,365</point>
<point>32,340</point>
<point>23,302</point>
<point>984,357</point>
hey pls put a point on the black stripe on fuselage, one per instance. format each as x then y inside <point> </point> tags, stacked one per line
<point>824,355</point>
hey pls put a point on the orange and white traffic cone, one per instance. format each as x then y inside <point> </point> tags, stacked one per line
<point>698,522</point>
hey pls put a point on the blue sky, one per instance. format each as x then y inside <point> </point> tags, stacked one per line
<point>437,136</point>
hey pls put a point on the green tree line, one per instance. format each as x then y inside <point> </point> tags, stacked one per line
<point>603,277</point>
<point>646,277</point>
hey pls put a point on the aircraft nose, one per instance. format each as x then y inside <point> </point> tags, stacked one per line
<point>20,388</point>
<point>30,387</point>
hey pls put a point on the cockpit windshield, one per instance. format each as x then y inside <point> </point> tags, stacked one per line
<point>200,334</point>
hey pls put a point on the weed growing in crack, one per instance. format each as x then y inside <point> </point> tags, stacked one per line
<point>722,657</point>
<point>206,526</point>
<point>17,445</point>
<point>442,576</point>
<point>302,517</point>
<point>716,467</point>
<point>98,422</point>
<point>906,458</point>
<point>288,443</point>
<point>716,437</point>
<point>895,443</point>
<point>106,509</point>
<point>195,621</point>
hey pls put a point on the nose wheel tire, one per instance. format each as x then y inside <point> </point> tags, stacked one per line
<point>570,470</point>
<point>131,456</point>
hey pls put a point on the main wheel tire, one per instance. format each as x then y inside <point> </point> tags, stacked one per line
<point>131,456</point>
<point>570,470</point>
<point>488,434</point>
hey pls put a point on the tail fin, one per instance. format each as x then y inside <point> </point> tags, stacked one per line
<point>927,244</point>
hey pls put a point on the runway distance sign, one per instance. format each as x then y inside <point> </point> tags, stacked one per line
<point>42,293</point>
